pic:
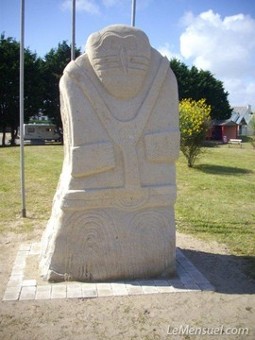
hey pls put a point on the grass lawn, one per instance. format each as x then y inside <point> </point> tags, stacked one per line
<point>216,198</point>
<point>42,168</point>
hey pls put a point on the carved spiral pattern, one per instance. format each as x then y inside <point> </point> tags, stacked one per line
<point>91,244</point>
<point>99,245</point>
<point>152,234</point>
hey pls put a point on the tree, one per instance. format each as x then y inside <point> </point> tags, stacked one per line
<point>41,79</point>
<point>252,124</point>
<point>194,123</point>
<point>197,84</point>
<point>182,74</point>
<point>9,85</point>
<point>52,69</point>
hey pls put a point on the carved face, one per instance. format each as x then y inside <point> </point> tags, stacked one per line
<point>120,57</point>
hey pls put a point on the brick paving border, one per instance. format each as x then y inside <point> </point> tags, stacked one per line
<point>188,279</point>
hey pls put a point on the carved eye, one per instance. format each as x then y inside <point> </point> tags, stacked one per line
<point>107,44</point>
<point>131,44</point>
<point>115,44</point>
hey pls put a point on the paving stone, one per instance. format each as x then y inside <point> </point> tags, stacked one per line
<point>188,279</point>
<point>177,284</point>
<point>35,248</point>
<point>20,261</point>
<point>149,288</point>
<point>189,284</point>
<point>15,281</point>
<point>21,257</point>
<point>104,286</point>
<point>11,293</point>
<point>74,291</point>
<point>89,293</point>
<point>134,288</point>
<point>43,292</point>
<point>27,293</point>
<point>88,285</point>
<point>119,289</point>
<point>186,268</point>
<point>166,289</point>
<point>28,283</point>
<point>198,277</point>
<point>89,290</point>
<point>104,289</point>
<point>17,270</point>
<point>167,286</point>
<point>187,265</point>
<point>58,291</point>
<point>25,247</point>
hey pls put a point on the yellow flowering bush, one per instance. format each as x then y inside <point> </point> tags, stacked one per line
<point>194,123</point>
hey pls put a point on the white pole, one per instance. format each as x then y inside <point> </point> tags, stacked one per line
<point>133,13</point>
<point>73,30</point>
<point>21,106</point>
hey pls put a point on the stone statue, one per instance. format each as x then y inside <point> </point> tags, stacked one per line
<point>113,212</point>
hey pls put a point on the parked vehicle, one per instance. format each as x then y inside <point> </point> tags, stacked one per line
<point>39,133</point>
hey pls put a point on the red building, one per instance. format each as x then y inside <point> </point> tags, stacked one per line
<point>224,130</point>
<point>232,128</point>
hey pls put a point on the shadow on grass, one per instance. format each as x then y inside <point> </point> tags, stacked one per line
<point>222,170</point>
<point>225,272</point>
<point>215,228</point>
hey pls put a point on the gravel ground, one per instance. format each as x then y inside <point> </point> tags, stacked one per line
<point>227,313</point>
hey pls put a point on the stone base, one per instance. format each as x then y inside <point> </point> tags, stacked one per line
<point>110,244</point>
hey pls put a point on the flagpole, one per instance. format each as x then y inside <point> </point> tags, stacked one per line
<point>133,13</point>
<point>21,105</point>
<point>73,30</point>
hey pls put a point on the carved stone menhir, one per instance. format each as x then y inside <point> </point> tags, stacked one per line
<point>113,212</point>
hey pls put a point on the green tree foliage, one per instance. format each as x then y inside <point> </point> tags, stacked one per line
<point>52,69</point>
<point>252,124</point>
<point>197,84</point>
<point>41,83</point>
<point>9,85</point>
<point>194,124</point>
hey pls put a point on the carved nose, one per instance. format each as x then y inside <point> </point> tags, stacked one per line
<point>123,60</point>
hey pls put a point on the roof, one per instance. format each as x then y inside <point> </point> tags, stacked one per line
<point>227,122</point>
<point>241,114</point>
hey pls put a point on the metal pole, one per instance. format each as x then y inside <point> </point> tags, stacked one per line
<point>73,30</point>
<point>133,13</point>
<point>21,107</point>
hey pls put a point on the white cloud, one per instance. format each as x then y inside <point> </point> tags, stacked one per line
<point>89,6</point>
<point>226,47</point>
<point>241,92</point>
<point>96,7</point>
<point>165,50</point>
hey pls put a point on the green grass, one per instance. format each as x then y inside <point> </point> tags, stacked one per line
<point>42,168</point>
<point>216,198</point>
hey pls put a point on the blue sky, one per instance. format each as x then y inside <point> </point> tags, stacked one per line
<point>215,35</point>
